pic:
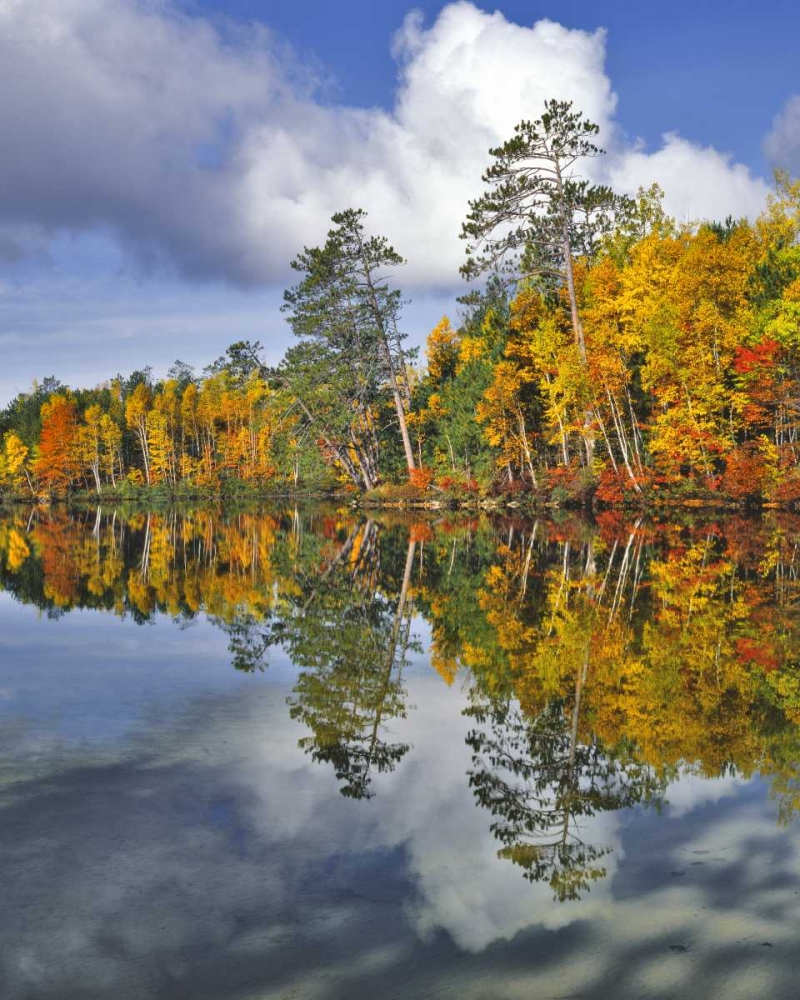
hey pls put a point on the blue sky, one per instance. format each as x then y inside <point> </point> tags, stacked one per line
<point>169,159</point>
<point>717,71</point>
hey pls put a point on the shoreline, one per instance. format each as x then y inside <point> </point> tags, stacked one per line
<point>516,504</point>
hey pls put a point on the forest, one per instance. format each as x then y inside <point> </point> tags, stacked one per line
<point>603,355</point>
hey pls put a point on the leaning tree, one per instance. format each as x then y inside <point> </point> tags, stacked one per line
<point>345,309</point>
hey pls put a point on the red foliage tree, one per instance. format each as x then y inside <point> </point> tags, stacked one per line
<point>57,465</point>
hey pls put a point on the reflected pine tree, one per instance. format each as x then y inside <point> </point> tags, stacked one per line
<point>352,641</point>
<point>540,783</point>
<point>248,642</point>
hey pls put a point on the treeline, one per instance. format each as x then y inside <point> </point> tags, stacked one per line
<point>609,353</point>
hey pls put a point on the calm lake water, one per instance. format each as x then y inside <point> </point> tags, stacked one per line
<point>313,754</point>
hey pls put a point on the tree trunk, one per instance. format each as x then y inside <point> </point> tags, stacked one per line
<point>387,353</point>
<point>577,326</point>
<point>142,429</point>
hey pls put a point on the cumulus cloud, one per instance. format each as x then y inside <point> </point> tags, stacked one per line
<point>782,145</point>
<point>699,181</point>
<point>225,171</point>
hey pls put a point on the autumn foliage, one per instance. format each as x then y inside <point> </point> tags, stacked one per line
<point>684,387</point>
<point>58,461</point>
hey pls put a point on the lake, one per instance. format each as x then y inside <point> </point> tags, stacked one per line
<point>318,753</point>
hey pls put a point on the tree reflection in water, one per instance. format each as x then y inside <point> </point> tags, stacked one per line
<point>539,783</point>
<point>352,641</point>
<point>602,658</point>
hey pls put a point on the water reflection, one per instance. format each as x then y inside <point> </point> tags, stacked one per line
<point>541,785</point>
<point>351,642</point>
<point>600,662</point>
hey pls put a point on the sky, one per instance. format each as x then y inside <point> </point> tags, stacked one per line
<point>164,160</point>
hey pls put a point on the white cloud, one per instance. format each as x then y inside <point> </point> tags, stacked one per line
<point>207,148</point>
<point>699,182</point>
<point>782,145</point>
